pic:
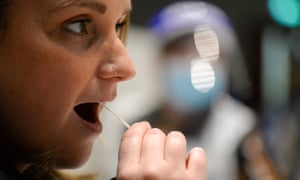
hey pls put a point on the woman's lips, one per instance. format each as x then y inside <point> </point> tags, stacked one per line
<point>89,115</point>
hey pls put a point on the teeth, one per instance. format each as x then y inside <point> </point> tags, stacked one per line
<point>88,111</point>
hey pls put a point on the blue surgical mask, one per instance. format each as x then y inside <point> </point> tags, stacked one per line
<point>179,91</point>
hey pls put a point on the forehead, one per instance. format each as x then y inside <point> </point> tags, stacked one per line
<point>50,5</point>
<point>122,4</point>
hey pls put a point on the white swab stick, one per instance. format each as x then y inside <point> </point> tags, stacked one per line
<point>117,117</point>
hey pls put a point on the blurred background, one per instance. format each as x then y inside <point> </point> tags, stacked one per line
<point>249,18</point>
<point>264,80</point>
<point>268,34</point>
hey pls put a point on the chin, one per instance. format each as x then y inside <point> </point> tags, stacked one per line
<point>74,159</point>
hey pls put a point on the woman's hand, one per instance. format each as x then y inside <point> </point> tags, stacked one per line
<point>147,153</point>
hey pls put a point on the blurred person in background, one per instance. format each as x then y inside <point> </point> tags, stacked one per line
<point>208,115</point>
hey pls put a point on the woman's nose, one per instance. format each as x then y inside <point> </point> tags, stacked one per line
<point>117,63</point>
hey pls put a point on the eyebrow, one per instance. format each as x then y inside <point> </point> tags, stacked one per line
<point>95,6</point>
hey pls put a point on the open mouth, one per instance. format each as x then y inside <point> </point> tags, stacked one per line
<point>88,111</point>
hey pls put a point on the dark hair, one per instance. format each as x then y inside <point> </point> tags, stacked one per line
<point>4,7</point>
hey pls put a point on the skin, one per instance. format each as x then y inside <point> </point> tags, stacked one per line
<point>147,153</point>
<point>56,54</point>
<point>58,65</point>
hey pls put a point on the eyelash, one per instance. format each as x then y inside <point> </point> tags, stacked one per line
<point>119,26</point>
<point>121,29</point>
<point>83,29</point>
<point>81,24</point>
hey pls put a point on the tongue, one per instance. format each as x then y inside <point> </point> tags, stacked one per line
<point>87,111</point>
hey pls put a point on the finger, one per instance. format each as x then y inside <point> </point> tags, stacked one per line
<point>153,147</point>
<point>197,163</point>
<point>175,150</point>
<point>130,147</point>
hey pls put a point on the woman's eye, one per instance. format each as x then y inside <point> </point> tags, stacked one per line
<point>119,27</point>
<point>121,30</point>
<point>78,27</point>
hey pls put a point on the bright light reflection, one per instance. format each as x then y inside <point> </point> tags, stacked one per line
<point>207,43</point>
<point>202,75</point>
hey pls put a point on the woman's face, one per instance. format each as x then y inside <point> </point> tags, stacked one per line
<point>60,60</point>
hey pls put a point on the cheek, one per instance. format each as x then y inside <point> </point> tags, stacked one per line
<point>55,84</point>
<point>37,101</point>
<point>39,87</point>
<point>55,71</point>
